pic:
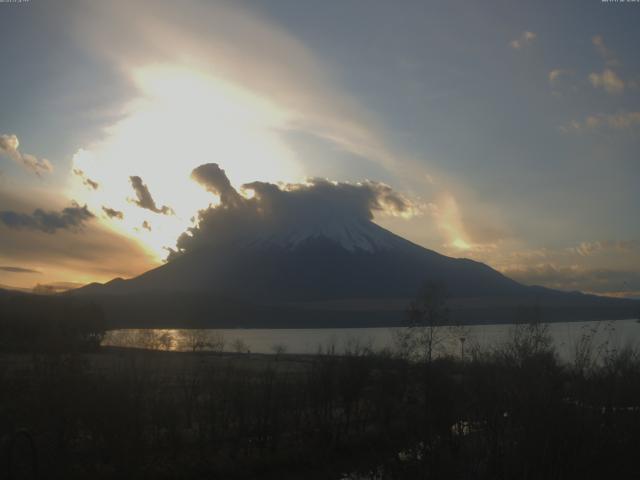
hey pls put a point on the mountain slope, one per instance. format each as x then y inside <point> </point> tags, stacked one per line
<point>338,275</point>
<point>309,254</point>
<point>362,262</point>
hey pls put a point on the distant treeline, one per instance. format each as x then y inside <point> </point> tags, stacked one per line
<point>49,323</point>
<point>204,310</point>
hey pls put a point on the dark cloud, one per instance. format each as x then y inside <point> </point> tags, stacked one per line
<point>213,178</point>
<point>71,218</point>
<point>113,213</point>
<point>277,209</point>
<point>9,146</point>
<point>146,225</point>
<point>86,180</point>
<point>98,253</point>
<point>144,198</point>
<point>91,184</point>
<point>18,269</point>
<point>320,200</point>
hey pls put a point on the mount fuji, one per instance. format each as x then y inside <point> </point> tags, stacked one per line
<point>310,254</point>
<point>327,262</point>
<point>330,274</point>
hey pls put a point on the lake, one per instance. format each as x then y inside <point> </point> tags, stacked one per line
<point>605,335</point>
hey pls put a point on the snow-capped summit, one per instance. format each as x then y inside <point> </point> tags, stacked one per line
<point>322,260</point>
<point>364,236</point>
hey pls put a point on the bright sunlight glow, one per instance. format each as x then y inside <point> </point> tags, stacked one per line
<point>181,119</point>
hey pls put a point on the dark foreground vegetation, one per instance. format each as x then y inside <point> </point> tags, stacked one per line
<point>512,413</point>
<point>47,323</point>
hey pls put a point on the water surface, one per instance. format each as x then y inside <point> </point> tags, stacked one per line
<point>565,335</point>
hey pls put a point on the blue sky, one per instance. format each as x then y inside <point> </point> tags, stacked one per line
<point>511,126</point>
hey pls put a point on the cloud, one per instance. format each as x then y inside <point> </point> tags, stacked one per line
<point>213,178</point>
<point>55,287</point>
<point>92,184</point>
<point>9,146</point>
<point>608,80</point>
<point>607,55</point>
<point>525,38</point>
<point>146,225</point>
<point>144,198</point>
<point>230,99</point>
<point>576,277</point>
<point>113,213</point>
<point>283,209</point>
<point>556,74</point>
<point>472,230</point>
<point>587,249</point>
<point>98,254</point>
<point>561,80</point>
<point>221,39</point>
<point>71,218</point>
<point>616,121</point>
<point>18,269</point>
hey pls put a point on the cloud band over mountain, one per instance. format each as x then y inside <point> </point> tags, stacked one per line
<point>268,208</point>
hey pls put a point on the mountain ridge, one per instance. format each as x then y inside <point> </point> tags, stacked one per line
<point>311,281</point>
<point>318,262</point>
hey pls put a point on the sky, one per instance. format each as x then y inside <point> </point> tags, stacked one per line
<point>508,129</point>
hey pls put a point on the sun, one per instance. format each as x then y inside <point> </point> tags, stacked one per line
<point>180,119</point>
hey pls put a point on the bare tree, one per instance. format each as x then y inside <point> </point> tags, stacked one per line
<point>459,334</point>
<point>165,340</point>
<point>279,349</point>
<point>193,340</point>
<point>148,339</point>
<point>529,337</point>
<point>427,314</point>
<point>216,341</point>
<point>239,346</point>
